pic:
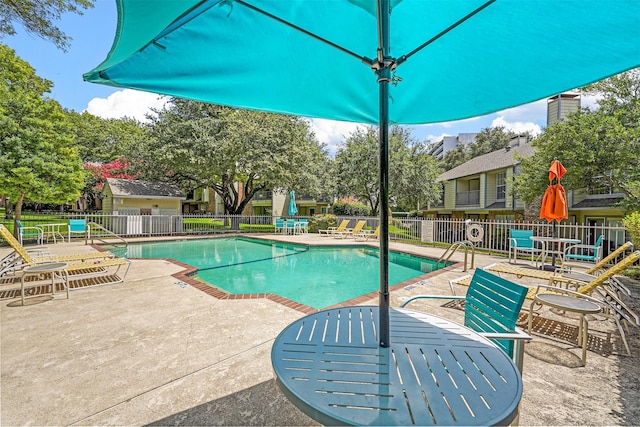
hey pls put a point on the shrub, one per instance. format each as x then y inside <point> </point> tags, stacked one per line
<point>632,224</point>
<point>350,209</point>
<point>322,222</point>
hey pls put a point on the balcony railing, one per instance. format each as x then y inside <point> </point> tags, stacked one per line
<point>263,195</point>
<point>466,198</point>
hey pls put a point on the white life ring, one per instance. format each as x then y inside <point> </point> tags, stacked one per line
<point>475,233</point>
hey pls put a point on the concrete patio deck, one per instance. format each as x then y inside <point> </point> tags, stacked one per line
<point>155,350</point>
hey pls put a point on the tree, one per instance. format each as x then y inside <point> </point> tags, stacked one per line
<point>412,172</point>
<point>414,179</point>
<point>452,158</point>
<point>39,160</point>
<point>98,173</point>
<point>486,141</point>
<point>203,145</point>
<point>38,17</point>
<point>105,140</point>
<point>491,139</point>
<point>597,147</point>
<point>357,167</point>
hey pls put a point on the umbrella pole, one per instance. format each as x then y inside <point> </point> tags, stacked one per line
<point>553,235</point>
<point>384,77</point>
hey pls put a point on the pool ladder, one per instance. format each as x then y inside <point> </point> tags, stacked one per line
<point>466,244</point>
<point>106,234</point>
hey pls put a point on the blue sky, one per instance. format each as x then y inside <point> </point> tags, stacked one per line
<point>93,34</point>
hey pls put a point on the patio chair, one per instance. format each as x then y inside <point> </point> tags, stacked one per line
<point>291,226</point>
<point>566,269</point>
<point>303,223</point>
<point>593,252</point>
<point>622,314</point>
<point>350,232</point>
<point>583,287</point>
<point>79,227</point>
<point>91,263</point>
<point>520,242</point>
<point>598,266</point>
<point>279,228</point>
<point>26,233</point>
<point>367,234</point>
<point>492,306</point>
<point>332,230</point>
<point>519,271</point>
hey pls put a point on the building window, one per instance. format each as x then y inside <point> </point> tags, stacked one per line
<point>600,185</point>
<point>501,186</point>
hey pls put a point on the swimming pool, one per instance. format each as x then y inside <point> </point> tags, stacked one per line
<point>317,276</point>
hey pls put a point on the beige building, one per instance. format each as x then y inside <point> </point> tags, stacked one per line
<point>276,204</point>
<point>482,189</point>
<point>135,197</point>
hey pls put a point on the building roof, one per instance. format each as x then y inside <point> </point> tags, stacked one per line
<point>599,202</point>
<point>126,188</point>
<point>497,205</point>
<point>488,162</point>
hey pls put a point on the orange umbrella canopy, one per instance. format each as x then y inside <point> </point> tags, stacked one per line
<point>554,202</point>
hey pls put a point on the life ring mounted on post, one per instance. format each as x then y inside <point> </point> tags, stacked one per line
<point>475,233</point>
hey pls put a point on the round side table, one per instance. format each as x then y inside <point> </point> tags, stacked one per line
<point>57,270</point>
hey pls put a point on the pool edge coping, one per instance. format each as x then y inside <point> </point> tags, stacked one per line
<point>186,276</point>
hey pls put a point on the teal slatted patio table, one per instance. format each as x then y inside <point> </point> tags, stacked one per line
<point>435,372</point>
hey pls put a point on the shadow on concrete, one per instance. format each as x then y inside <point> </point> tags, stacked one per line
<point>628,378</point>
<point>260,405</point>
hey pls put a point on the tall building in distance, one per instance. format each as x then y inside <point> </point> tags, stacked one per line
<point>448,143</point>
<point>560,106</point>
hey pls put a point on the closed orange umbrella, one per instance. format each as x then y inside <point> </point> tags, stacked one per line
<point>554,202</point>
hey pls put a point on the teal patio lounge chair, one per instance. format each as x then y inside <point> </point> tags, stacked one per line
<point>26,233</point>
<point>520,242</point>
<point>492,306</point>
<point>591,253</point>
<point>79,227</point>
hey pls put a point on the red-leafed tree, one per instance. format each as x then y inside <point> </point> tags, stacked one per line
<point>119,168</point>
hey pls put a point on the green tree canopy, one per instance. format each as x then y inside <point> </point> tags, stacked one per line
<point>105,140</point>
<point>600,147</point>
<point>486,141</point>
<point>452,158</point>
<point>491,139</point>
<point>412,172</point>
<point>39,160</point>
<point>204,145</point>
<point>38,17</point>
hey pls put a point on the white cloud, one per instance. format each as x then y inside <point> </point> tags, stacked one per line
<point>126,103</point>
<point>517,127</point>
<point>534,112</point>
<point>591,101</point>
<point>333,133</point>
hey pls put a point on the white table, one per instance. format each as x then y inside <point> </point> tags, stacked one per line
<point>52,231</point>
<point>434,372</point>
<point>57,271</point>
<point>553,246</point>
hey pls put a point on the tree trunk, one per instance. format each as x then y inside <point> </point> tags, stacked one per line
<point>8,209</point>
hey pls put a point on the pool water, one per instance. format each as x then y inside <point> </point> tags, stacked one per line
<point>317,276</point>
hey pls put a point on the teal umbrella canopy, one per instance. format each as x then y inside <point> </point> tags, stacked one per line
<point>293,209</point>
<point>479,57</point>
<point>370,61</point>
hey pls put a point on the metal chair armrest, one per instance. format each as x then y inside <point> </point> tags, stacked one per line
<point>417,297</point>
<point>579,246</point>
<point>518,336</point>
